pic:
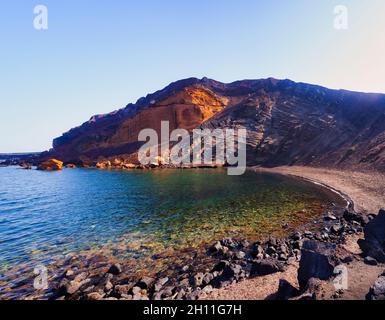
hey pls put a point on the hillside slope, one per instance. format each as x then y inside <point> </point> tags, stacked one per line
<point>288,123</point>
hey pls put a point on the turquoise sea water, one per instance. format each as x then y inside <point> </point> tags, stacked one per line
<point>44,215</point>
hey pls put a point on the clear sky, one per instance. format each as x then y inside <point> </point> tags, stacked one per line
<point>97,56</point>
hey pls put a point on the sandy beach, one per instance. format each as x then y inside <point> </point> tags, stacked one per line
<point>367,190</point>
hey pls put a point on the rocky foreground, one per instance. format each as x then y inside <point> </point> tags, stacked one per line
<point>316,252</point>
<point>366,189</point>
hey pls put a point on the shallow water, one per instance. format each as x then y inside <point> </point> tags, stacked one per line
<point>142,214</point>
<point>47,213</point>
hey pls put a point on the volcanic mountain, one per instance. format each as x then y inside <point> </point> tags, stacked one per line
<point>287,122</point>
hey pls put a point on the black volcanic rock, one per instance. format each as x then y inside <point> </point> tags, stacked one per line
<point>317,261</point>
<point>377,291</point>
<point>374,243</point>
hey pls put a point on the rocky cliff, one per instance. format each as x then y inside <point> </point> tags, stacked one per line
<point>288,123</point>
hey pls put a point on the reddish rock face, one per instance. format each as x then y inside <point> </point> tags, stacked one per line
<point>50,165</point>
<point>187,109</point>
<point>287,123</point>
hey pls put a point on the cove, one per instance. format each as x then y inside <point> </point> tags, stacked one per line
<point>152,220</point>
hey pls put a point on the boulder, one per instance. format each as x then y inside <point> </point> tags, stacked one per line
<point>160,283</point>
<point>94,296</point>
<point>145,283</point>
<point>103,165</point>
<point>244,243</point>
<point>257,250</point>
<point>351,216</point>
<point>336,229</point>
<point>50,165</point>
<point>318,261</point>
<point>370,261</point>
<point>240,255</point>
<point>229,242</point>
<point>115,269</point>
<point>232,270</point>
<point>266,266</point>
<point>377,291</point>
<point>216,248</point>
<point>123,289</point>
<point>117,162</point>
<point>72,287</point>
<point>220,266</point>
<point>374,243</point>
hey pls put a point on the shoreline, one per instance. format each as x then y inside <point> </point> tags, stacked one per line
<point>243,286</point>
<point>354,187</point>
<point>60,265</point>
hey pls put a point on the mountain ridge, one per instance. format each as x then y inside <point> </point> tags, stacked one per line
<point>288,122</point>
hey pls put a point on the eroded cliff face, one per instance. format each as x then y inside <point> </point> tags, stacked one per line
<point>287,122</point>
<point>117,136</point>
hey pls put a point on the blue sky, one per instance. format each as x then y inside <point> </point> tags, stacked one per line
<point>97,56</point>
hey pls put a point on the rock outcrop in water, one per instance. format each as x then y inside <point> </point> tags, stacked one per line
<point>50,165</point>
<point>288,123</point>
